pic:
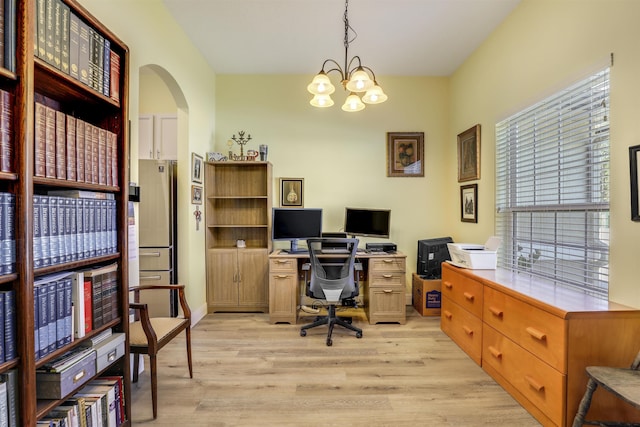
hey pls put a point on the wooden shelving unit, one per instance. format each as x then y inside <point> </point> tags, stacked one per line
<point>238,207</point>
<point>33,79</point>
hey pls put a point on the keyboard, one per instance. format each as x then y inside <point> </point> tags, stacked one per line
<point>335,251</point>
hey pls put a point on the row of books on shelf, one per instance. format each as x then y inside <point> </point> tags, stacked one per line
<point>70,304</point>
<point>100,403</point>
<point>6,130</point>
<point>77,49</point>
<point>72,149</point>
<point>8,34</point>
<point>9,392</point>
<point>7,230</point>
<point>67,229</point>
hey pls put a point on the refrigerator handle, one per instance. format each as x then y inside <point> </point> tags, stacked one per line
<point>153,254</point>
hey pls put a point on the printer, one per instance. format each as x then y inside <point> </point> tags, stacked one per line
<point>474,256</point>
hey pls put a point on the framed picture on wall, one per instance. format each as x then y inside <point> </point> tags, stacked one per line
<point>292,192</point>
<point>469,203</point>
<point>634,158</point>
<point>196,194</point>
<point>469,154</point>
<point>405,154</point>
<point>196,168</point>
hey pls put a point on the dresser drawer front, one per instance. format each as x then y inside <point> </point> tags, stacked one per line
<point>538,331</point>
<point>283,265</point>
<point>463,327</point>
<point>386,264</point>
<point>542,385</point>
<point>464,291</point>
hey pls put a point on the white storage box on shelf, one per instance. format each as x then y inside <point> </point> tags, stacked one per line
<point>473,256</point>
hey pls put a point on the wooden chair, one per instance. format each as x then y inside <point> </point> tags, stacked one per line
<point>624,383</point>
<point>147,335</point>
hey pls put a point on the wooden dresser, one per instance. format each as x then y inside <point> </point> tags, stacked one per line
<point>535,339</point>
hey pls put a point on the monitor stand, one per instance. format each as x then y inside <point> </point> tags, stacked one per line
<point>295,249</point>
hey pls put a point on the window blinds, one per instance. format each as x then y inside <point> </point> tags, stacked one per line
<point>552,187</point>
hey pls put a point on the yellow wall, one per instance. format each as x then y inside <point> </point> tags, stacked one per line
<point>342,156</point>
<point>154,39</point>
<point>542,47</point>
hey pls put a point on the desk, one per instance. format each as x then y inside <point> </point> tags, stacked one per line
<point>382,286</point>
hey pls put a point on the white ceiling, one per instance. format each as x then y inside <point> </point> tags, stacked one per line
<point>394,37</point>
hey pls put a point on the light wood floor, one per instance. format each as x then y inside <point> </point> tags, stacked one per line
<point>248,372</point>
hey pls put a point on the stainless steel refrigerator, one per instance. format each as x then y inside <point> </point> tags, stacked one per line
<point>158,240</point>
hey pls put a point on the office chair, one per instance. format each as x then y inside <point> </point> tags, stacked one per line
<point>332,279</point>
<point>147,335</point>
<point>624,383</point>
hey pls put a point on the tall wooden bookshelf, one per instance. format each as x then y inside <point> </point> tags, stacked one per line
<point>238,207</point>
<point>32,78</point>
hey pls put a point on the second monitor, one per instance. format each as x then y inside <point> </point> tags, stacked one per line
<point>367,222</point>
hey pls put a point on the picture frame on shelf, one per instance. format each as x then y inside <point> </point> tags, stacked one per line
<point>196,194</point>
<point>634,159</point>
<point>292,192</point>
<point>469,154</point>
<point>196,168</point>
<point>405,154</point>
<point>469,203</point>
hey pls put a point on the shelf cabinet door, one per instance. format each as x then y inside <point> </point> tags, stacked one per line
<point>222,279</point>
<point>253,273</point>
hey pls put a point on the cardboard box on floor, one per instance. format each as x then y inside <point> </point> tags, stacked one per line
<point>427,295</point>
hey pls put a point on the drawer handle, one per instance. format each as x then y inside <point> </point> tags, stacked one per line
<point>467,330</point>
<point>387,276</point>
<point>495,352</point>
<point>448,285</point>
<point>448,314</point>
<point>387,291</point>
<point>533,383</point>
<point>495,311</point>
<point>153,254</point>
<point>469,296</point>
<point>158,277</point>
<point>282,276</point>
<point>79,376</point>
<point>541,336</point>
<point>388,261</point>
<point>282,261</point>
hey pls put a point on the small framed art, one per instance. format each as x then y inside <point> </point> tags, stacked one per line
<point>196,168</point>
<point>469,203</point>
<point>405,154</point>
<point>634,159</point>
<point>196,194</point>
<point>469,154</point>
<point>292,192</point>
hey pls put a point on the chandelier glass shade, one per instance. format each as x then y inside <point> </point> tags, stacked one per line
<point>355,78</point>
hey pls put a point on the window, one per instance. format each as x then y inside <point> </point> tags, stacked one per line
<point>552,188</point>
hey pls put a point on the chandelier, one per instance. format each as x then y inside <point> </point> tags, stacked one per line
<point>355,78</point>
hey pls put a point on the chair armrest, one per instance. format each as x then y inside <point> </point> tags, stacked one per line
<point>145,321</point>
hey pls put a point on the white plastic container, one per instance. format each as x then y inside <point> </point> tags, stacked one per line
<point>474,256</point>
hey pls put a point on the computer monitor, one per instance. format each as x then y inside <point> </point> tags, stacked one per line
<point>431,254</point>
<point>367,222</point>
<point>295,224</point>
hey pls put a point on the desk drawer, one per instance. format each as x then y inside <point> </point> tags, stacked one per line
<point>387,279</point>
<point>283,265</point>
<point>462,290</point>
<point>463,327</point>
<point>386,264</point>
<point>538,331</point>
<point>540,384</point>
